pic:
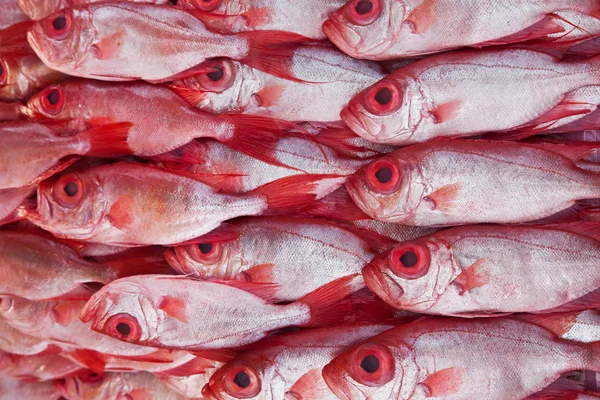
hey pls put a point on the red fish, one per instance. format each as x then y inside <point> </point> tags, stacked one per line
<point>10,111</point>
<point>502,182</point>
<point>577,326</point>
<point>188,314</point>
<point>492,358</point>
<point>286,366</point>
<point>38,9</point>
<point>387,29</point>
<point>15,342</point>
<point>37,367</point>
<point>11,13</point>
<point>21,75</point>
<point>123,39</point>
<point>469,271</point>
<point>16,390</point>
<point>132,204</point>
<point>82,105</point>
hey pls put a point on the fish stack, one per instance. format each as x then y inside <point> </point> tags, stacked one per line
<point>273,199</point>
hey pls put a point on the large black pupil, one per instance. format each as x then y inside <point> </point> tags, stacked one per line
<point>123,329</point>
<point>216,75</point>
<point>71,189</point>
<point>409,259</point>
<point>370,364</point>
<point>205,248</point>
<point>1,70</point>
<point>53,97</point>
<point>242,380</point>
<point>383,175</point>
<point>59,22</point>
<point>363,7</point>
<point>383,96</point>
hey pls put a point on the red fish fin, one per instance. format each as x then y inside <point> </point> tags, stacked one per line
<point>14,38</point>
<point>585,228</point>
<point>269,95</point>
<point>190,96</point>
<point>443,198</point>
<point>258,16</point>
<point>583,49</point>
<point>99,121</point>
<point>219,355</point>
<point>56,168</point>
<point>197,365</point>
<point>572,150</point>
<point>108,140</point>
<point>445,382</point>
<point>295,192</point>
<point>140,394</point>
<point>109,47</point>
<point>310,386</point>
<point>337,205</point>
<point>193,152</point>
<point>590,300</point>
<point>224,233</point>
<point>174,307</point>
<point>219,182</point>
<point>543,28</point>
<point>89,358</point>
<point>326,307</point>
<point>345,142</point>
<point>81,292</point>
<point>261,273</point>
<point>562,389</point>
<point>273,52</point>
<point>64,313</point>
<point>423,16</point>
<point>558,50</point>
<point>195,70</point>
<point>558,323</point>
<point>266,291</point>
<point>368,308</point>
<point>120,212</point>
<point>472,277</point>
<point>159,356</point>
<point>589,122</point>
<point>447,111</point>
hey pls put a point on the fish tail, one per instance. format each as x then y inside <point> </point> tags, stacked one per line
<point>108,140</point>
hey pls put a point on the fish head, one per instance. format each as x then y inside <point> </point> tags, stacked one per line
<point>387,189</point>
<point>222,86</point>
<point>410,276</point>
<point>373,369</point>
<point>60,102</point>
<point>208,259</point>
<point>89,385</point>
<point>64,39</point>
<point>38,9</point>
<point>11,78</point>
<point>366,28</point>
<point>72,205</point>
<point>123,310</point>
<point>387,112</point>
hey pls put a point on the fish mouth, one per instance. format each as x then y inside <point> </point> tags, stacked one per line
<point>208,394</point>
<point>355,122</point>
<point>382,285</point>
<point>336,384</point>
<point>342,35</point>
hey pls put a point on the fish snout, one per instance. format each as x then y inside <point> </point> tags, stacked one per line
<point>382,285</point>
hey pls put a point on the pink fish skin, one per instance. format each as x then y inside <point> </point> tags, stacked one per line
<point>325,80</point>
<point>82,105</point>
<point>10,111</point>
<point>21,75</point>
<point>448,95</point>
<point>38,267</point>
<point>171,312</point>
<point>569,386</point>
<point>457,359</point>
<point>118,41</point>
<point>231,16</point>
<point>15,342</point>
<point>134,386</point>
<point>287,366</point>
<point>37,367</point>
<point>577,326</point>
<point>38,9</point>
<point>469,271</point>
<point>387,29</point>
<point>113,204</point>
<point>499,182</point>
<point>278,250</point>
<point>11,13</point>
<point>11,389</point>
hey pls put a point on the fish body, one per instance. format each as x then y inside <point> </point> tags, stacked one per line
<point>188,314</point>
<point>11,14</point>
<point>469,271</point>
<point>462,182</point>
<point>465,93</point>
<point>38,9</point>
<point>10,111</point>
<point>14,341</point>
<point>387,29</point>
<point>288,366</point>
<point>576,326</point>
<point>12,389</point>
<point>21,75</point>
<point>37,367</point>
<point>324,75</point>
<point>457,359</point>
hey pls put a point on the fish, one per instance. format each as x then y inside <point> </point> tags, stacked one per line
<point>489,358</point>
<point>286,366</point>
<point>324,75</point>
<point>11,14</point>
<point>38,267</point>
<point>118,41</point>
<point>576,326</point>
<point>14,341</point>
<point>387,29</point>
<point>10,111</point>
<point>12,202</point>
<point>21,75</point>
<point>281,251</point>
<point>448,95</point>
<point>83,105</point>
<point>181,313</point>
<point>567,387</point>
<point>38,9</point>
<point>134,386</point>
<point>131,204</point>
<point>41,367</point>
<point>496,182</point>
<point>468,271</point>
<point>11,389</point>
<point>229,16</point>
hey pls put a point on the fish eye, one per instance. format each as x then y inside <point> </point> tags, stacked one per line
<point>410,261</point>
<point>216,75</point>
<point>206,253</point>
<point>91,378</point>
<point>68,190</point>
<point>207,5</point>
<point>383,98</point>
<point>52,100</point>
<point>242,380</point>
<point>124,327</point>
<point>220,76</point>
<point>58,25</point>
<point>363,12</point>
<point>372,365</point>
<point>384,176</point>
<point>205,248</point>
<point>3,73</point>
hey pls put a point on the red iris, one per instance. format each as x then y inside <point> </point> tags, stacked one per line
<point>383,98</point>
<point>363,12</point>
<point>58,26</point>
<point>384,176</point>
<point>68,190</point>
<point>410,261</point>
<point>124,327</point>
<point>372,365</point>
<point>52,100</point>
<point>242,381</point>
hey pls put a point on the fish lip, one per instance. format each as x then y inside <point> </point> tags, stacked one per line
<point>337,385</point>
<point>333,30</point>
<point>355,122</point>
<point>382,285</point>
<point>208,393</point>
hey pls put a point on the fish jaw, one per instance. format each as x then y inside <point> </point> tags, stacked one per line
<point>342,35</point>
<point>383,285</point>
